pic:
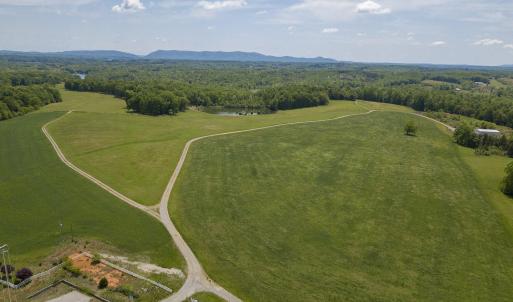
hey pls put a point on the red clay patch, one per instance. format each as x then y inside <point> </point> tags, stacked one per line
<point>98,271</point>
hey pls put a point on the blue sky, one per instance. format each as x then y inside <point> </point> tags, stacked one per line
<point>414,31</point>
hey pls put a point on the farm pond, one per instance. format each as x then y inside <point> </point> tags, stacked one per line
<point>231,111</point>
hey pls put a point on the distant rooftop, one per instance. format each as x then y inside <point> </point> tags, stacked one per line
<point>487,130</point>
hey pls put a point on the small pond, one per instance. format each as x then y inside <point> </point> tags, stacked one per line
<point>230,111</point>
<point>80,75</point>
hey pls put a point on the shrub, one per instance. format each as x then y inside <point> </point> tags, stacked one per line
<point>24,273</point>
<point>410,128</point>
<point>464,135</point>
<point>6,268</point>
<point>482,150</point>
<point>103,283</point>
<point>96,259</point>
<point>127,291</point>
<point>75,272</point>
<point>507,182</point>
<point>509,150</point>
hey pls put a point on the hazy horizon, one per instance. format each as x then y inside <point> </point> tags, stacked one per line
<point>455,32</point>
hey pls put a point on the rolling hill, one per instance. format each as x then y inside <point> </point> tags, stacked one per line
<point>230,56</point>
<point>177,55</point>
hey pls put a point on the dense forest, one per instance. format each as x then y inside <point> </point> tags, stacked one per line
<point>27,87</point>
<point>18,100</point>
<point>169,87</point>
<point>171,97</point>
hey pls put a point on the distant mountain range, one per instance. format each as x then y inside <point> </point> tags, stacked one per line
<point>178,55</point>
<point>229,56</point>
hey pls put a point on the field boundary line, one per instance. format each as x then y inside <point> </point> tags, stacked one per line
<point>451,128</point>
<point>91,178</point>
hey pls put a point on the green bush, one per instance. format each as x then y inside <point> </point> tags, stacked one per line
<point>127,291</point>
<point>96,259</point>
<point>75,272</point>
<point>103,283</point>
<point>410,128</point>
<point>507,182</point>
<point>464,135</point>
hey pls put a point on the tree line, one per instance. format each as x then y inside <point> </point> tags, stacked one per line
<point>171,97</point>
<point>19,100</point>
<point>487,107</point>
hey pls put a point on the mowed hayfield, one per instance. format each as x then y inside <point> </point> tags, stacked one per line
<point>136,154</point>
<point>38,192</point>
<point>347,210</point>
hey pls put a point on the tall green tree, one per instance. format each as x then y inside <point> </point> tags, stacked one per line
<point>507,182</point>
<point>464,135</point>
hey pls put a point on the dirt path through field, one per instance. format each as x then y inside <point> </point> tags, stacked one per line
<point>197,279</point>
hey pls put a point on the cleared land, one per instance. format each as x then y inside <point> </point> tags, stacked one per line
<point>38,192</point>
<point>136,154</point>
<point>347,210</point>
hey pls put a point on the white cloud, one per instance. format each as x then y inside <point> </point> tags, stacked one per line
<point>225,4</point>
<point>439,43</point>
<point>323,9</point>
<point>291,28</point>
<point>510,46</point>
<point>371,7</point>
<point>488,42</point>
<point>330,30</point>
<point>262,12</point>
<point>129,6</point>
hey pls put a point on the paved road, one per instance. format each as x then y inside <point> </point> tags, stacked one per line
<point>197,279</point>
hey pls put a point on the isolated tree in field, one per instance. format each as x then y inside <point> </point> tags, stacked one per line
<point>410,128</point>
<point>103,283</point>
<point>24,273</point>
<point>507,182</point>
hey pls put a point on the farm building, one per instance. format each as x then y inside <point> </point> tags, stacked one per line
<point>487,132</point>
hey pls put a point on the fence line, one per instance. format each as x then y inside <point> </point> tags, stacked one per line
<point>36,276</point>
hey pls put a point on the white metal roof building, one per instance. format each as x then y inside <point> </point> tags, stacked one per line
<point>488,132</point>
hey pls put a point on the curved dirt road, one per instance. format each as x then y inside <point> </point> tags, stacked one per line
<point>197,280</point>
<point>96,181</point>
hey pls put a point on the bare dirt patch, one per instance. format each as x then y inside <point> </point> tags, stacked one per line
<point>97,271</point>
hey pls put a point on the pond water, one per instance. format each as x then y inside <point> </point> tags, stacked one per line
<point>81,75</point>
<point>227,111</point>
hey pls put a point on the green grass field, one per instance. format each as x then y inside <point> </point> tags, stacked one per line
<point>37,192</point>
<point>489,170</point>
<point>206,297</point>
<point>349,210</point>
<point>136,154</point>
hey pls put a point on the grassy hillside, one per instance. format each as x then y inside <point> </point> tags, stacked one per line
<point>489,171</point>
<point>350,210</point>
<point>86,102</point>
<point>37,192</point>
<point>136,154</point>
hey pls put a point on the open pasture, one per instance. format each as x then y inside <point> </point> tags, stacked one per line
<point>348,210</point>
<point>136,154</point>
<point>38,193</point>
